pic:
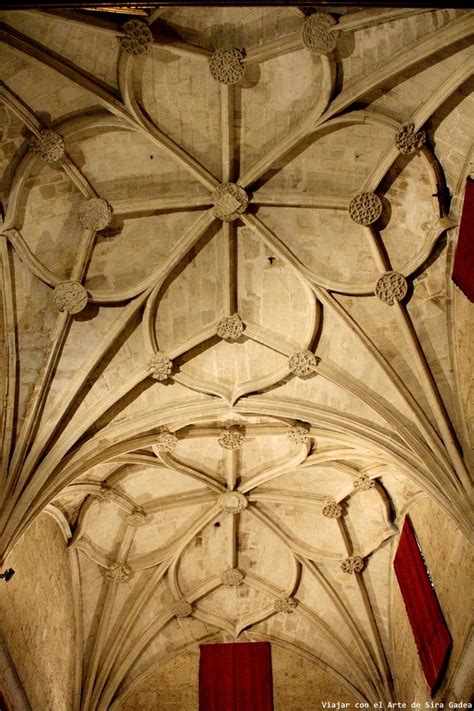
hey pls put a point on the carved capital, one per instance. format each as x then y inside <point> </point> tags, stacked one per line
<point>365,208</point>
<point>332,509</point>
<point>232,577</point>
<point>95,214</point>
<point>226,65</point>
<point>166,442</point>
<point>160,366</point>
<point>70,296</point>
<point>317,34</point>
<point>230,328</point>
<point>232,502</point>
<point>285,604</point>
<point>352,564</point>
<point>232,438</point>
<point>299,433</point>
<point>363,483</point>
<point>302,363</point>
<point>230,201</point>
<point>106,494</point>
<point>137,39</point>
<point>408,140</point>
<point>118,572</point>
<point>49,145</point>
<point>391,287</point>
<point>182,608</point>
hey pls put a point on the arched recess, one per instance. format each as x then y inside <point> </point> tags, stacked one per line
<point>300,682</point>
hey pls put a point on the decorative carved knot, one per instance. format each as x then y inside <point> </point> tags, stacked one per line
<point>352,564</point>
<point>317,34</point>
<point>302,363</point>
<point>230,201</point>
<point>230,327</point>
<point>136,518</point>
<point>232,502</point>
<point>166,442</point>
<point>331,509</point>
<point>119,572</point>
<point>390,287</point>
<point>95,214</point>
<point>138,38</point>
<point>409,141</point>
<point>232,577</point>
<point>227,66</point>
<point>49,145</point>
<point>365,208</point>
<point>106,494</point>
<point>285,604</point>
<point>182,608</point>
<point>160,367</point>
<point>232,438</point>
<point>363,483</point>
<point>299,433</point>
<point>70,296</point>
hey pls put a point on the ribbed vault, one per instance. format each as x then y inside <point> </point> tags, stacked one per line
<point>234,358</point>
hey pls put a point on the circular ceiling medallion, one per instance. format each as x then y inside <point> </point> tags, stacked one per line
<point>317,34</point>
<point>232,502</point>
<point>49,145</point>
<point>70,296</point>
<point>230,201</point>
<point>226,65</point>
<point>365,208</point>
<point>391,287</point>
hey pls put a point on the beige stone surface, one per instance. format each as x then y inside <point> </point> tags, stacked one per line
<point>384,399</point>
<point>37,614</point>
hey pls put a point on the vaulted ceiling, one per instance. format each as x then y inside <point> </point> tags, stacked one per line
<point>234,357</point>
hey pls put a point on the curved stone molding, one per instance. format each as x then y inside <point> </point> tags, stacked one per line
<point>182,608</point>
<point>232,438</point>
<point>352,564</point>
<point>391,287</point>
<point>365,208</point>
<point>70,296</point>
<point>363,483</point>
<point>285,604</point>
<point>118,572</point>
<point>138,38</point>
<point>299,433</point>
<point>136,519</point>
<point>332,509</point>
<point>232,502</point>
<point>230,201</point>
<point>226,65</point>
<point>232,577</point>
<point>230,328</point>
<point>49,145</point>
<point>166,442</point>
<point>160,367</point>
<point>317,34</point>
<point>302,363</point>
<point>95,214</point>
<point>408,140</point>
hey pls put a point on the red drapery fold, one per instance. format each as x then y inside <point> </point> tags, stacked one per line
<point>463,269</point>
<point>431,634</point>
<point>235,677</point>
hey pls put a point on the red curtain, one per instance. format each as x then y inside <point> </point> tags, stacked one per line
<point>235,677</point>
<point>432,636</point>
<point>463,269</point>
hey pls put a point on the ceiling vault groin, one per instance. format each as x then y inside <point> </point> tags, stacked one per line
<point>225,369</point>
